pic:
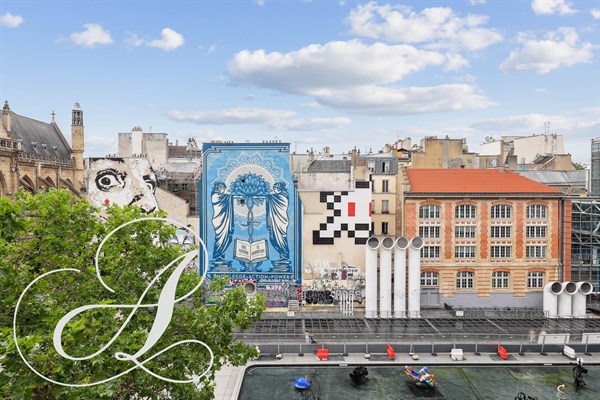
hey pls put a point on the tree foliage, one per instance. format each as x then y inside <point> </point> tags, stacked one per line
<point>50,231</point>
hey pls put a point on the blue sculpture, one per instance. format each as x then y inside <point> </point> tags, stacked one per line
<point>301,383</point>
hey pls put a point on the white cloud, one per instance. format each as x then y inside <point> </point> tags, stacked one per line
<point>211,49</point>
<point>356,77</point>
<point>541,90</point>
<point>133,40</point>
<point>375,100</point>
<point>312,104</point>
<point>477,2</point>
<point>170,40</point>
<point>548,7</point>
<point>237,115</point>
<point>93,35</point>
<point>595,13</point>
<point>259,2</point>
<point>335,64</point>
<point>309,124</point>
<point>436,27</point>
<point>558,49</point>
<point>11,21</point>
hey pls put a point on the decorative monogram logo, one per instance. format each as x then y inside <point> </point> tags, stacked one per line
<point>164,312</point>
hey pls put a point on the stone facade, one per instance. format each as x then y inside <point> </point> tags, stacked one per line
<point>34,155</point>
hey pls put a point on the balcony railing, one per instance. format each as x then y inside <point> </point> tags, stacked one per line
<point>27,157</point>
<point>8,144</point>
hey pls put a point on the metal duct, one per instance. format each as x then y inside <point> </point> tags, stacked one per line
<point>400,277</point>
<point>578,302</point>
<point>414,277</point>
<point>550,299</point>
<point>564,299</point>
<point>385,278</point>
<point>371,277</point>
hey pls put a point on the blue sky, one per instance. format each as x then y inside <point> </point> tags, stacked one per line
<point>313,73</point>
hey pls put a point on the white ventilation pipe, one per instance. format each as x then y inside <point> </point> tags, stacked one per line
<point>385,277</point>
<point>565,297</point>
<point>400,277</point>
<point>414,277</point>
<point>550,299</point>
<point>371,277</point>
<point>578,301</point>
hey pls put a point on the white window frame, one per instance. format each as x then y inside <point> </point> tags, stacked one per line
<point>536,251</point>
<point>535,280</point>
<point>464,279</point>
<point>500,251</point>
<point>500,279</point>
<point>536,231</point>
<point>429,231</point>
<point>465,231</point>
<point>385,206</point>
<point>537,211</point>
<point>385,186</point>
<point>501,211</point>
<point>430,252</point>
<point>465,211</point>
<point>465,251</point>
<point>429,279</point>
<point>500,231</point>
<point>429,211</point>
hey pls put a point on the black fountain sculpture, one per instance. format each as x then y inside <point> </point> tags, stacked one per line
<point>359,375</point>
<point>578,372</point>
<point>522,396</point>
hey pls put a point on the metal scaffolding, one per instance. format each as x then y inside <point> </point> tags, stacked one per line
<point>585,241</point>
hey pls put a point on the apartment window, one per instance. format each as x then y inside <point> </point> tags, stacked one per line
<point>500,252</point>
<point>385,206</point>
<point>429,211</point>
<point>429,232</point>
<point>535,279</point>
<point>500,279</point>
<point>464,251</point>
<point>501,211</point>
<point>385,186</point>
<point>535,251</point>
<point>384,228</point>
<point>464,231</point>
<point>184,186</point>
<point>430,252</point>
<point>536,211</point>
<point>429,278</point>
<point>373,206</point>
<point>500,231</point>
<point>464,211</point>
<point>537,231</point>
<point>464,280</point>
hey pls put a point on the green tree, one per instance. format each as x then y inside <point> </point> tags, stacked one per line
<point>50,231</point>
<point>578,165</point>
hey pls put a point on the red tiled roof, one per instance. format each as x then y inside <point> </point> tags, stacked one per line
<point>462,180</point>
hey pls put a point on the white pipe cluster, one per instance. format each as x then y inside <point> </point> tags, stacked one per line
<point>399,247</point>
<point>566,299</point>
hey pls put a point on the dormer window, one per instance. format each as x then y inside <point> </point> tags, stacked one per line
<point>44,146</point>
<point>34,144</point>
<point>55,148</point>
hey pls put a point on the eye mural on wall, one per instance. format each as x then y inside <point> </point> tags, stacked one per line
<point>122,181</point>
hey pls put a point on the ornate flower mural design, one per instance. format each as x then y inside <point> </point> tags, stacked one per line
<point>250,188</point>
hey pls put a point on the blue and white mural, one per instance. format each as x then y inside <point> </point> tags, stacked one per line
<point>250,221</point>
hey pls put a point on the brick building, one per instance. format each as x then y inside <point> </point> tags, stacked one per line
<point>491,237</point>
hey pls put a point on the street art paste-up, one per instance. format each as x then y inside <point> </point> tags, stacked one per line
<point>122,181</point>
<point>351,213</point>
<point>250,219</point>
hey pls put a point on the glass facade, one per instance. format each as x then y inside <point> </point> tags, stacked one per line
<point>595,181</point>
<point>585,241</point>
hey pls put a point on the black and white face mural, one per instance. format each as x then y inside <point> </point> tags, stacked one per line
<point>122,181</point>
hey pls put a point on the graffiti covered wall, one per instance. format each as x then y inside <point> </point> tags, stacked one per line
<point>122,181</point>
<point>250,218</point>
